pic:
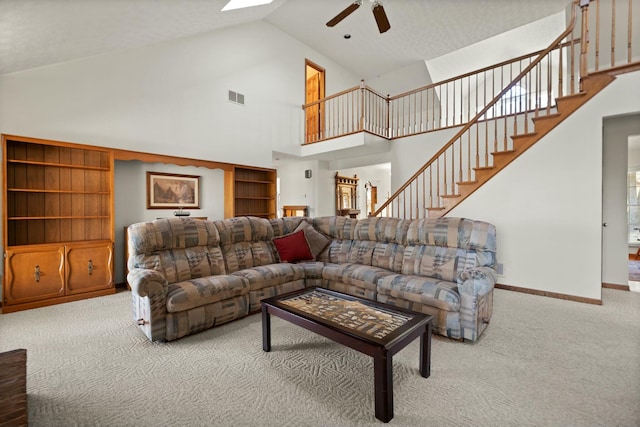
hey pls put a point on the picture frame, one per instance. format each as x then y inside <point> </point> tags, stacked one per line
<point>172,191</point>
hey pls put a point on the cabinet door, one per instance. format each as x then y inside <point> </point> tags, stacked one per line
<point>89,267</point>
<point>33,274</point>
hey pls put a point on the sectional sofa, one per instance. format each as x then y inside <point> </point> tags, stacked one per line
<point>188,275</point>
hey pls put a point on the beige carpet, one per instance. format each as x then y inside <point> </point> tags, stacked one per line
<point>542,362</point>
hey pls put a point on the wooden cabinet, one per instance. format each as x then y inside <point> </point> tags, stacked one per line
<point>88,267</point>
<point>33,274</point>
<point>58,222</point>
<point>254,192</point>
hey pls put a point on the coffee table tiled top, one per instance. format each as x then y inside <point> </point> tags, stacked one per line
<point>372,321</point>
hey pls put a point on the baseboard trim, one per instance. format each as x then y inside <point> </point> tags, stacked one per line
<point>618,287</point>
<point>549,294</point>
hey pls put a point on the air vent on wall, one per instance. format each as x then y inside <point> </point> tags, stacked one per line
<point>236,97</point>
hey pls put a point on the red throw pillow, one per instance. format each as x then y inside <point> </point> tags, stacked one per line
<point>293,247</point>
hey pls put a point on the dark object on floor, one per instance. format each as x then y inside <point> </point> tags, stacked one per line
<point>13,388</point>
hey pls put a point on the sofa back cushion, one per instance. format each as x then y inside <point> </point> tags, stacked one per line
<point>287,225</point>
<point>443,247</point>
<point>179,248</point>
<point>246,242</point>
<point>341,230</point>
<point>379,242</point>
<point>390,236</point>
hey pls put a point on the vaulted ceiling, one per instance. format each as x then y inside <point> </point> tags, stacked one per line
<point>35,33</point>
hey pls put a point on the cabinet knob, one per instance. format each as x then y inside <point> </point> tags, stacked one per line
<point>90,267</point>
<point>36,273</point>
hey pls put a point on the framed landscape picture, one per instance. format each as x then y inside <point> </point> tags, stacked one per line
<point>172,191</point>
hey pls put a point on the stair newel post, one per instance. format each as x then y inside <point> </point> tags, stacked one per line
<point>584,40</point>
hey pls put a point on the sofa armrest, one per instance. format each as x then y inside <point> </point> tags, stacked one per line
<point>475,286</point>
<point>148,283</point>
<point>149,290</point>
<point>477,281</point>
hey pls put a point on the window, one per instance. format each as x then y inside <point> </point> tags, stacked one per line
<point>633,206</point>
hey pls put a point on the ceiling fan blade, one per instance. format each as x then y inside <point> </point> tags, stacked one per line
<point>348,11</point>
<point>381,18</point>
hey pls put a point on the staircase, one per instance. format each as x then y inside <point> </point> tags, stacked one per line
<point>568,71</point>
<point>565,106</point>
<point>501,111</point>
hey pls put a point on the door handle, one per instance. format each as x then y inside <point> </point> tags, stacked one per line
<point>90,267</point>
<point>36,273</point>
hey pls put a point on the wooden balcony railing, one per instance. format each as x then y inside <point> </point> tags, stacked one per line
<point>358,109</point>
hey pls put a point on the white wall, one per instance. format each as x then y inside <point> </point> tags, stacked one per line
<point>299,190</point>
<point>530,38</point>
<point>171,97</point>
<point>547,204</point>
<point>411,153</point>
<point>378,175</point>
<point>131,203</point>
<point>403,80</point>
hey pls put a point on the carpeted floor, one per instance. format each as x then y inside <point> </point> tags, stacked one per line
<point>542,362</point>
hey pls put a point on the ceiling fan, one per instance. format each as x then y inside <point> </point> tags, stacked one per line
<point>378,13</point>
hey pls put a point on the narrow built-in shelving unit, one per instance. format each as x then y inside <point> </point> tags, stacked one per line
<point>58,222</point>
<point>255,192</point>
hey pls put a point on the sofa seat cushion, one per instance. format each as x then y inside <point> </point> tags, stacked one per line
<point>312,269</point>
<point>266,276</point>
<point>424,290</point>
<point>205,290</point>
<point>362,276</point>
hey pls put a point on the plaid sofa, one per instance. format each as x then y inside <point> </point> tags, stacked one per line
<point>188,275</point>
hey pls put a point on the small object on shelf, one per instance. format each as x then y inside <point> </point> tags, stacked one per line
<point>180,212</point>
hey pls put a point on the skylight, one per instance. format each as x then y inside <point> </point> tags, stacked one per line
<point>239,4</point>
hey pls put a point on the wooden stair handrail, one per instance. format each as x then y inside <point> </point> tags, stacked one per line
<point>480,114</point>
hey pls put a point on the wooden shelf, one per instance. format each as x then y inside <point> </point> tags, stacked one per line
<point>254,198</point>
<point>254,192</point>
<point>253,181</point>
<point>58,222</point>
<point>30,190</point>
<point>58,165</point>
<point>21,218</point>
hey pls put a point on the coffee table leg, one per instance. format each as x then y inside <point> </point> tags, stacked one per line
<point>425,352</point>
<point>266,329</point>
<point>383,379</point>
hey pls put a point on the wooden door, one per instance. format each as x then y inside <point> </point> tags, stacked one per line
<point>33,274</point>
<point>314,114</point>
<point>89,267</point>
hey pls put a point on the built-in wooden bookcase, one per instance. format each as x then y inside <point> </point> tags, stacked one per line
<point>58,222</point>
<point>254,192</point>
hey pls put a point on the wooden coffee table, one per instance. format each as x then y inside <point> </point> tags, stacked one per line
<point>376,329</point>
